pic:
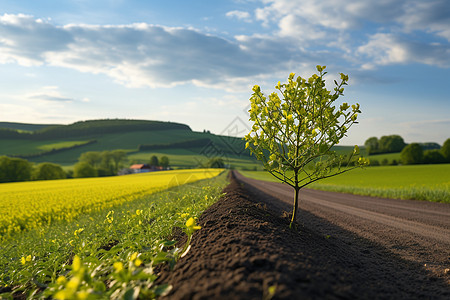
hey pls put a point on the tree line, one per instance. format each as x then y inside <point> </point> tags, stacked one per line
<point>14,169</point>
<point>414,153</point>
<point>90,164</point>
<point>99,163</point>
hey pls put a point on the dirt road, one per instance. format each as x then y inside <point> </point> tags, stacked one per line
<point>345,248</point>
<point>414,230</point>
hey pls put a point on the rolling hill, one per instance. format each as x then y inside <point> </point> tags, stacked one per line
<point>63,144</point>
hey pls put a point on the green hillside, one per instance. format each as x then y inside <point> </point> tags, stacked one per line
<point>23,126</point>
<point>63,144</point>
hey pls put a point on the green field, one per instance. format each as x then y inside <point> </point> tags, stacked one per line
<point>417,182</point>
<point>105,254</point>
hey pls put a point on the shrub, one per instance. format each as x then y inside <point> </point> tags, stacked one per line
<point>48,171</point>
<point>433,157</point>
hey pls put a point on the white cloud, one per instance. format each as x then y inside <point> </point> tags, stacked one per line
<point>334,26</point>
<point>240,15</point>
<point>306,32</point>
<point>433,17</point>
<point>134,55</point>
<point>386,49</point>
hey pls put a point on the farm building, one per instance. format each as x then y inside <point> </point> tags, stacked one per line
<point>144,168</point>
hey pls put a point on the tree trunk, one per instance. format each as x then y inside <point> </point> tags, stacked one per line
<point>294,211</point>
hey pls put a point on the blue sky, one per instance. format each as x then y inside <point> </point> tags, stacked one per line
<point>195,62</point>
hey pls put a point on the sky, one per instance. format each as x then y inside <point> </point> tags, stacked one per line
<point>195,62</point>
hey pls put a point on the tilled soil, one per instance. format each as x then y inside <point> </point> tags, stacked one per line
<point>245,250</point>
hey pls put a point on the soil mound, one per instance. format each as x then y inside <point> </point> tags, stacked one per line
<point>245,250</point>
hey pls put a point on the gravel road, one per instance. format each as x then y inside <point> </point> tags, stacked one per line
<point>416,231</point>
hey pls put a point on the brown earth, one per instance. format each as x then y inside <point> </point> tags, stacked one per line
<point>245,250</point>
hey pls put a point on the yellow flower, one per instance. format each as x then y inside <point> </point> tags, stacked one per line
<point>138,211</point>
<point>73,283</point>
<point>133,256</point>
<point>61,280</point>
<point>137,262</point>
<point>191,224</point>
<point>61,295</point>
<point>82,295</point>
<point>118,266</point>
<point>22,260</point>
<point>76,265</point>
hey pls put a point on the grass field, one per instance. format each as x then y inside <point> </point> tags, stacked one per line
<point>417,182</point>
<point>110,252</point>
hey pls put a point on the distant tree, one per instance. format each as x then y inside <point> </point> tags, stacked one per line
<point>118,157</point>
<point>384,162</point>
<point>83,169</point>
<point>93,158</point>
<point>430,146</point>
<point>445,150</point>
<point>371,145</point>
<point>164,161</point>
<point>14,169</point>
<point>48,171</point>
<point>391,144</point>
<point>215,162</point>
<point>154,161</point>
<point>374,162</point>
<point>433,157</point>
<point>412,154</point>
<point>107,162</point>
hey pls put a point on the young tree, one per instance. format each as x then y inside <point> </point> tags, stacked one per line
<point>293,135</point>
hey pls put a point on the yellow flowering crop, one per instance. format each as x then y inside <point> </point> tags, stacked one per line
<point>26,205</point>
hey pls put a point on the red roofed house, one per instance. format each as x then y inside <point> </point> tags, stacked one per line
<point>144,168</point>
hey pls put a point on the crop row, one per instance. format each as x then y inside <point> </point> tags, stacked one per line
<point>27,205</point>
